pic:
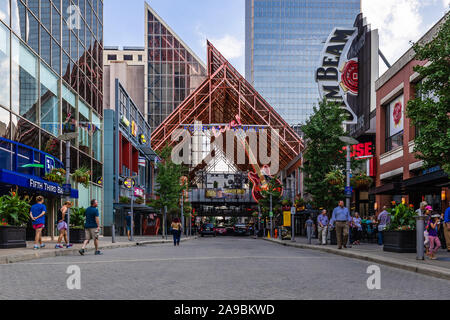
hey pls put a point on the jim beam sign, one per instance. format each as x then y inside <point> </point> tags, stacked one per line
<point>337,75</point>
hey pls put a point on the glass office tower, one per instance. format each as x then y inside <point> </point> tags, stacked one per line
<point>174,71</point>
<point>284,40</point>
<point>51,83</point>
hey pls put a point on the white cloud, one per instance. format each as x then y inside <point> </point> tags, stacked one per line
<point>230,46</point>
<point>446,3</point>
<point>398,22</point>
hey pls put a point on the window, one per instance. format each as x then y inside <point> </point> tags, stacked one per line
<point>4,66</point>
<point>49,101</point>
<point>24,81</point>
<point>112,57</point>
<point>140,57</point>
<point>394,124</point>
<point>128,57</point>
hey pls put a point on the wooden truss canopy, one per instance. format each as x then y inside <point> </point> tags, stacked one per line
<point>218,100</point>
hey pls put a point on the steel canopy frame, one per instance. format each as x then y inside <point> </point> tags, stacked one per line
<point>223,95</point>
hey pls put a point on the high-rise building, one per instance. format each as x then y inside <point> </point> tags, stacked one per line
<point>283,44</point>
<point>51,84</point>
<point>174,70</point>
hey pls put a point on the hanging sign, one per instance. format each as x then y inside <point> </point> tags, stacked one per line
<point>337,75</point>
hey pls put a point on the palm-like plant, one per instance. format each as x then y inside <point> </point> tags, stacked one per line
<point>402,218</point>
<point>14,210</point>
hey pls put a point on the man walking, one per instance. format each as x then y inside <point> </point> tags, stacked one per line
<point>341,218</point>
<point>383,220</point>
<point>91,227</point>
<point>447,228</point>
<point>322,226</point>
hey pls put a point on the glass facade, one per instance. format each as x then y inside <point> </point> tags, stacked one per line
<point>284,40</point>
<point>174,72</point>
<point>51,78</point>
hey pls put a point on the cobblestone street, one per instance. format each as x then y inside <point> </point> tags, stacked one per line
<point>213,268</point>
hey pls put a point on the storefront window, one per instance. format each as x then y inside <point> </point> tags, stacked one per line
<point>49,101</point>
<point>50,144</point>
<point>4,66</point>
<point>97,138</point>
<point>24,81</point>
<point>69,120</point>
<point>24,132</point>
<point>4,123</point>
<point>97,172</point>
<point>84,128</point>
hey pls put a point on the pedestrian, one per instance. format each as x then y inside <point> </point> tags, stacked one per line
<point>129,224</point>
<point>384,219</point>
<point>309,225</point>
<point>176,231</point>
<point>341,219</point>
<point>422,209</point>
<point>433,227</point>
<point>446,227</point>
<point>62,217</point>
<point>427,211</point>
<point>91,227</point>
<point>37,214</point>
<point>322,225</point>
<point>356,229</point>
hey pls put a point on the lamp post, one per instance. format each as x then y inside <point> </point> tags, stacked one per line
<point>132,206</point>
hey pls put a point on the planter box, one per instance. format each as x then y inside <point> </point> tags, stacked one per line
<point>12,237</point>
<point>400,241</point>
<point>76,235</point>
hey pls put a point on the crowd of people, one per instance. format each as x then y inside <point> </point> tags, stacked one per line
<point>350,229</point>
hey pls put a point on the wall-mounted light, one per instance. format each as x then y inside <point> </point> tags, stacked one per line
<point>376,206</point>
<point>403,200</point>
<point>443,195</point>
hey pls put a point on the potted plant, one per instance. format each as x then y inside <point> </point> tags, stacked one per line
<point>57,175</point>
<point>400,235</point>
<point>124,200</point>
<point>300,204</point>
<point>139,200</point>
<point>216,185</point>
<point>286,205</point>
<point>82,175</point>
<point>77,220</point>
<point>335,178</point>
<point>361,181</point>
<point>14,215</point>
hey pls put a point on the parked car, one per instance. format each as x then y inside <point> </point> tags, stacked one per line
<point>208,229</point>
<point>230,230</point>
<point>241,230</point>
<point>221,231</point>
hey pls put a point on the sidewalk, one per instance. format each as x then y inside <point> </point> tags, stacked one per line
<point>374,253</point>
<point>25,254</point>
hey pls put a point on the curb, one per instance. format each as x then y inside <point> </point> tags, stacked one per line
<point>428,270</point>
<point>32,255</point>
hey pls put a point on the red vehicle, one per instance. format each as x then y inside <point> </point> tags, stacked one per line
<point>221,231</point>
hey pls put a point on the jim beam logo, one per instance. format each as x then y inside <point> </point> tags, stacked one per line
<point>337,75</point>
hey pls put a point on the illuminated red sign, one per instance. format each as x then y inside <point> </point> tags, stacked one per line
<point>362,150</point>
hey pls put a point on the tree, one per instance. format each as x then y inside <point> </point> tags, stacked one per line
<point>168,189</point>
<point>430,110</point>
<point>324,153</point>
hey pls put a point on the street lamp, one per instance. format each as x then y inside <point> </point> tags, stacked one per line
<point>67,137</point>
<point>132,206</point>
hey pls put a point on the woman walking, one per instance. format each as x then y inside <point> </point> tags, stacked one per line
<point>433,228</point>
<point>176,231</point>
<point>63,214</point>
<point>37,214</point>
<point>356,229</point>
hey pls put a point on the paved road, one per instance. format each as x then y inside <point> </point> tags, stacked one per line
<point>213,268</point>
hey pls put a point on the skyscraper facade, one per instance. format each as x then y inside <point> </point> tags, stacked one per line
<point>174,71</point>
<point>283,44</point>
<point>51,84</point>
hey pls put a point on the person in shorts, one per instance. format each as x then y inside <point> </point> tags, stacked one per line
<point>63,214</point>
<point>91,227</point>
<point>37,214</point>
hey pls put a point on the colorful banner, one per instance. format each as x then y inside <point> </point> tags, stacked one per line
<point>286,218</point>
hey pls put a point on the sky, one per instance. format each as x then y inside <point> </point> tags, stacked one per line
<point>223,23</point>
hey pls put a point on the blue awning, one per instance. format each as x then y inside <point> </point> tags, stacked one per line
<point>33,183</point>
